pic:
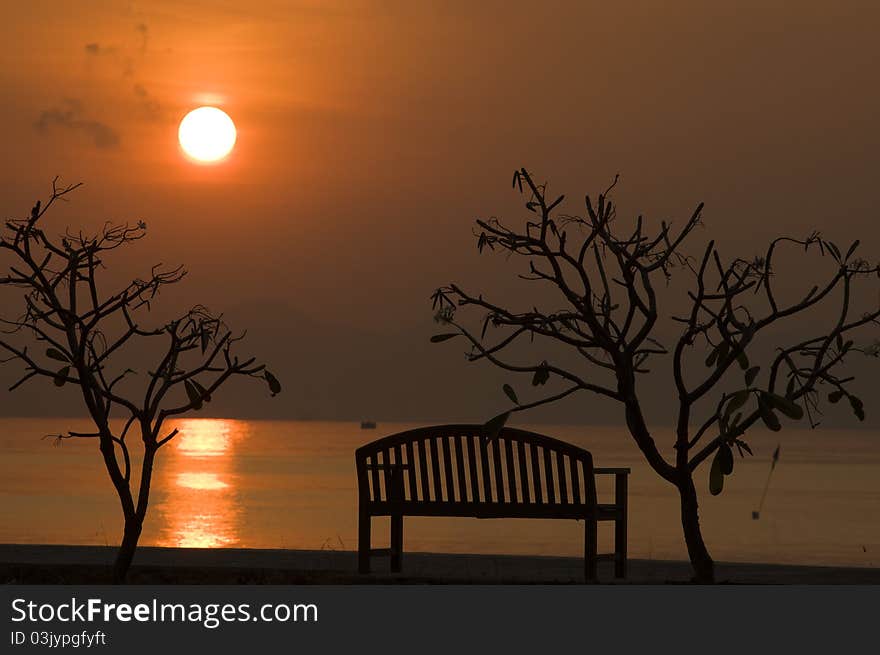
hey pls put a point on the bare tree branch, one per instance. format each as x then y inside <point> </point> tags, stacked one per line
<point>606,278</point>
<point>85,333</point>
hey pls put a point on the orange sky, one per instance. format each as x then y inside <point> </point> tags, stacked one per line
<point>372,134</point>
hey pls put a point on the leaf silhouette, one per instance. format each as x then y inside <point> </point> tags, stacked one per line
<point>737,400</point>
<point>713,355</point>
<point>510,393</point>
<point>195,398</point>
<point>751,374</point>
<point>770,419</point>
<point>61,376</point>
<point>716,477</point>
<point>274,384</point>
<point>744,446</point>
<point>723,350</point>
<point>492,427</point>
<point>437,338</point>
<point>202,391</point>
<point>541,375</point>
<point>788,407</point>
<point>56,354</point>
<point>725,459</point>
<point>858,407</point>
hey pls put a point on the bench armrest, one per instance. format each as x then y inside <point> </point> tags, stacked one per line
<point>621,480</point>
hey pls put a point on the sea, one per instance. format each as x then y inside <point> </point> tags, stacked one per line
<point>228,483</point>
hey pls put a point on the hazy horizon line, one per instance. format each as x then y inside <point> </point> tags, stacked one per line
<point>423,421</point>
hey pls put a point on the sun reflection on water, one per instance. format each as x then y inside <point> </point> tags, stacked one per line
<point>200,481</point>
<point>200,508</point>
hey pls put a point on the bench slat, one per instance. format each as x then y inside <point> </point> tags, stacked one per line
<point>447,465</point>
<point>472,467</point>
<point>548,476</point>
<point>511,472</point>
<point>484,465</point>
<point>435,469</point>
<point>536,475</point>
<point>376,490</point>
<point>423,469</point>
<point>525,496</point>
<point>499,478</point>
<point>459,467</point>
<point>386,474</point>
<point>575,479</point>
<point>563,485</point>
<point>398,461</point>
<point>589,481</point>
<point>413,485</point>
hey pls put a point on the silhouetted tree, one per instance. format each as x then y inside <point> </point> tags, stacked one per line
<point>83,332</point>
<point>607,282</point>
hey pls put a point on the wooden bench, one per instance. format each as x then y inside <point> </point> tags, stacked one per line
<point>453,470</point>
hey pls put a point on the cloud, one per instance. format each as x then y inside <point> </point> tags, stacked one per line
<point>144,31</point>
<point>127,58</point>
<point>96,49</point>
<point>71,116</point>
<point>148,103</point>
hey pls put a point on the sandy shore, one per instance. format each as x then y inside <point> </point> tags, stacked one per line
<point>33,563</point>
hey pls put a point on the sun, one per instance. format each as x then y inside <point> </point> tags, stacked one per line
<point>207,134</point>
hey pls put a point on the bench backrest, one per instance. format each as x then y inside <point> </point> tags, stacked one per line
<point>456,464</point>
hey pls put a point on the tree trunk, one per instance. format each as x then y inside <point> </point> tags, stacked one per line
<point>704,567</point>
<point>125,554</point>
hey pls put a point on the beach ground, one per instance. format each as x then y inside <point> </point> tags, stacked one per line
<point>53,564</point>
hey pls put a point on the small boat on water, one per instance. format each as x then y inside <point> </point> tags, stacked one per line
<point>368,425</point>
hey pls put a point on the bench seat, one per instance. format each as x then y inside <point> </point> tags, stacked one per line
<point>493,510</point>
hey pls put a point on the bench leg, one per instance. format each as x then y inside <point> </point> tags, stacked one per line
<point>620,498</point>
<point>590,548</point>
<point>620,547</point>
<point>396,542</point>
<point>364,521</point>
